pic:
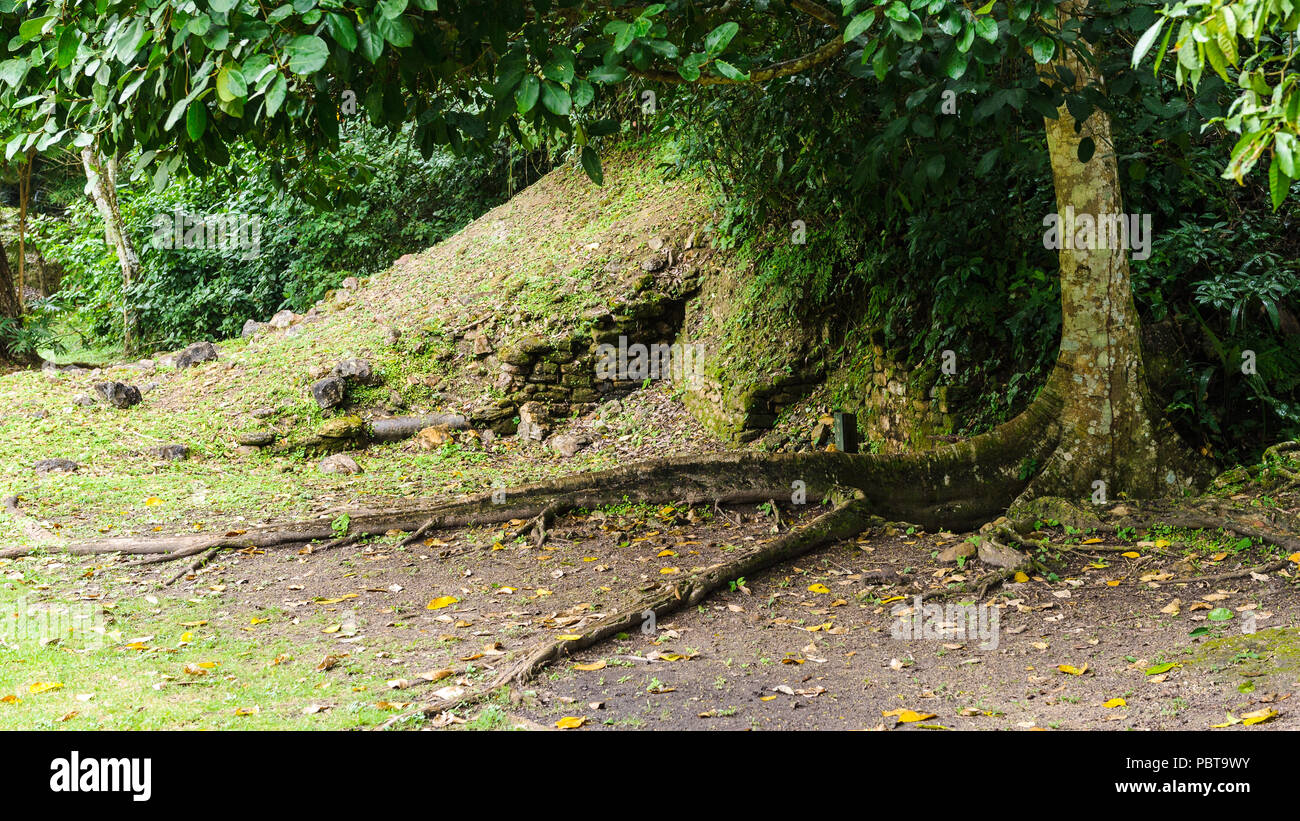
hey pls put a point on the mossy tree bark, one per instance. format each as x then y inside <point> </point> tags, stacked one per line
<point>1110,431</point>
<point>101,183</point>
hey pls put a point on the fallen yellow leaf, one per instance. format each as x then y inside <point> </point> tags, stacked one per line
<point>441,602</point>
<point>907,716</point>
<point>595,665</point>
<point>45,686</point>
<point>571,722</point>
<point>1115,702</point>
<point>818,588</point>
<point>1258,717</point>
<point>1020,577</point>
<point>1072,670</point>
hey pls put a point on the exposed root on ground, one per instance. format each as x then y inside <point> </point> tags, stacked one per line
<point>663,598</point>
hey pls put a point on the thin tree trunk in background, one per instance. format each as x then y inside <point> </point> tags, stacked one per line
<point>24,195</point>
<point>9,301</point>
<point>101,184</point>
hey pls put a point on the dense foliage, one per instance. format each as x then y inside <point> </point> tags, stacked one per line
<point>398,203</point>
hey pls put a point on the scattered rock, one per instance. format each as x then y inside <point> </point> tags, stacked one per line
<point>146,365</point>
<point>247,450</point>
<point>55,466</point>
<point>262,413</point>
<point>118,394</point>
<point>85,400</point>
<point>340,464</point>
<point>357,370</point>
<point>654,263</point>
<point>195,354</point>
<point>533,421</point>
<point>147,388</point>
<point>256,438</point>
<point>328,392</point>
<point>350,283</point>
<point>252,328</point>
<point>961,550</point>
<point>999,556</point>
<point>171,453</point>
<point>392,336</point>
<point>282,319</point>
<point>168,360</point>
<point>432,438</point>
<point>568,444</point>
<point>482,347</point>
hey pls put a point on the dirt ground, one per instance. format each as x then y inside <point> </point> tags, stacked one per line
<point>1107,642</point>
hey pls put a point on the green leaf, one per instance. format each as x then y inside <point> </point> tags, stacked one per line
<point>128,42</point>
<point>68,42</point>
<point>196,120</point>
<point>1160,668</point>
<point>591,164</point>
<point>1147,39</point>
<point>967,37</point>
<point>527,93</point>
<point>231,84</point>
<point>690,67</point>
<point>1284,145</point>
<point>986,8</point>
<point>556,99</point>
<point>391,8</point>
<point>342,30</point>
<point>1086,149</point>
<point>859,24</point>
<point>275,95</point>
<point>954,64</point>
<point>909,29</point>
<point>13,71</point>
<point>987,28</point>
<point>730,72</point>
<point>560,67</point>
<point>370,41</point>
<point>897,10</point>
<point>220,6</point>
<point>1219,614</point>
<point>1279,185</point>
<point>582,92</point>
<point>624,34</point>
<point>607,74</point>
<point>1044,49</point>
<point>307,54</point>
<point>717,40</point>
<point>951,22</point>
<point>395,30</point>
<point>31,29</point>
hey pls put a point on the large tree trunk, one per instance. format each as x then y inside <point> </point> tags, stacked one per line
<point>1110,431</point>
<point>101,184</point>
